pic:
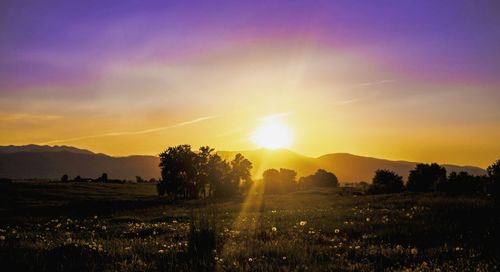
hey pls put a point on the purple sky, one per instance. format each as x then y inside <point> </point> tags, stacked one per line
<point>47,42</point>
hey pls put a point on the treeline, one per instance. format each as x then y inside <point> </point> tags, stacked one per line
<point>433,178</point>
<point>192,174</point>
<point>104,179</point>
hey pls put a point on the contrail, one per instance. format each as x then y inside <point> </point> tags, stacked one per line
<point>151,130</point>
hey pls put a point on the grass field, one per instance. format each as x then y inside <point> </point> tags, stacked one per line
<point>96,227</point>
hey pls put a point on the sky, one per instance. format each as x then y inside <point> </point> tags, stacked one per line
<point>403,80</point>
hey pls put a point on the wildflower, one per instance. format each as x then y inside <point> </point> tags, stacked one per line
<point>14,231</point>
<point>69,240</point>
<point>337,230</point>
<point>357,247</point>
<point>414,251</point>
<point>302,223</point>
<point>161,251</point>
<point>250,259</point>
<point>368,219</point>
<point>103,227</point>
<point>273,211</point>
<point>274,229</point>
<point>128,248</point>
<point>95,216</point>
<point>284,258</point>
<point>2,238</point>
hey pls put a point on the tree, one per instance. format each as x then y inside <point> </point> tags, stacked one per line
<point>462,183</point>
<point>494,179</point>
<point>386,181</point>
<point>321,178</point>
<point>104,178</point>
<point>190,174</point>
<point>139,179</point>
<point>240,172</point>
<point>178,171</point>
<point>64,178</point>
<point>280,181</point>
<point>425,177</point>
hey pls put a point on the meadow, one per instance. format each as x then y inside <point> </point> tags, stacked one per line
<point>126,227</point>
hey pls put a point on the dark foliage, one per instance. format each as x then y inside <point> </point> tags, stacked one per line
<point>64,178</point>
<point>425,177</point>
<point>321,178</point>
<point>386,181</point>
<point>462,183</point>
<point>494,179</point>
<point>280,181</point>
<point>190,174</point>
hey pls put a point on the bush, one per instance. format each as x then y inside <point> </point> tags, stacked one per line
<point>385,182</point>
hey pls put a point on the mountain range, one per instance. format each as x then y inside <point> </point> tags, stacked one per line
<point>51,162</point>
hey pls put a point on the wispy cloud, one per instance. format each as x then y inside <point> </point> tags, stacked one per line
<point>136,132</point>
<point>366,84</point>
<point>346,102</point>
<point>26,116</point>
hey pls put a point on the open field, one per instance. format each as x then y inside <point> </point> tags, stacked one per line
<point>95,227</point>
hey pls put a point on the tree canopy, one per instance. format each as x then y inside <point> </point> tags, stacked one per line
<point>189,174</point>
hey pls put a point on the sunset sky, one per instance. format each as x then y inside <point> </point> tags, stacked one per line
<point>409,80</point>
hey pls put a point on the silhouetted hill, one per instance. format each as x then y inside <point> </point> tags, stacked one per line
<point>42,148</point>
<point>52,165</point>
<point>52,162</point>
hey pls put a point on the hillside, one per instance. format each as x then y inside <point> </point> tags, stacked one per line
<point>53,162</point>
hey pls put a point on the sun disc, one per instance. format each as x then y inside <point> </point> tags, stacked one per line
<point>273,136</point>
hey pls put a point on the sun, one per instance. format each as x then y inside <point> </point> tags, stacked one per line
<point>273,135</point>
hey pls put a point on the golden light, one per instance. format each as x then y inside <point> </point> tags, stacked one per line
<point>273,135</point>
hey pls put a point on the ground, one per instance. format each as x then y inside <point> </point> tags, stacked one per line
<point>125,227</point>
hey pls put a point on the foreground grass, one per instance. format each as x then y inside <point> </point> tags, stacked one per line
<point>95,227</point>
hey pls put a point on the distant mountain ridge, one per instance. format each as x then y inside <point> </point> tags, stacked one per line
<point>42,148</point>
<point>51,162</point>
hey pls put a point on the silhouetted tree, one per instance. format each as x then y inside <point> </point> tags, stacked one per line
<point>425,177</point>
<point>161,188</point>
<point>462,183</point>
<point>494,179</point>
<point>240,173</point>
<point>64,178</point>
<point>139,179</point>
<point>104,178</point>
<point>78,178</point>
<point>188,174</point>
<point>321,178</point>
<point>280,181</point>
<point>386,181</point>
<point>178,170</point>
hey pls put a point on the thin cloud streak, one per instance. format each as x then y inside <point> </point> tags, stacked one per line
<point>145,131</point>
<point>366,84</point>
